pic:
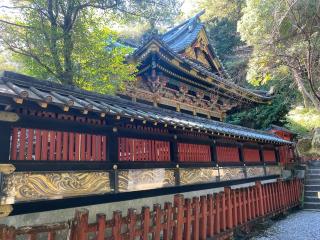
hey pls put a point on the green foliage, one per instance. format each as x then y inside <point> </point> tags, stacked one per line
<point>303,120</point>
<point>261,116</point>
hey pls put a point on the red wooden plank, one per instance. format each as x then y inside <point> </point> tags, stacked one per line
<point>249,203</point>
<point>240,206</point>
<point>116,229</point>
<point>210,229</point>
<point>71,146</point>
<point>30,143</point>
<point>44,145</point>
<point>99,146</point>
<point>14,144</point>
<point>38,144</point>
<point>83,147</point>
<point>58,145</point>
<point>235,208</point>
<point>22,147</point>
<point>52,145</point>
<point>77,144</point>
<point>94,147</point>
<point>88,147</point>
<point>65,146</point>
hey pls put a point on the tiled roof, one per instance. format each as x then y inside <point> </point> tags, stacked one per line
<point>15,85</point>
<point>183,35</point>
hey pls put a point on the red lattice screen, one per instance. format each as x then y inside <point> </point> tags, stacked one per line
<point>251,155</point>
<point>269,155</point>
<point>37,144</point>
<point>227,154</point>
<point>132,149</point>
<point>193,152</point>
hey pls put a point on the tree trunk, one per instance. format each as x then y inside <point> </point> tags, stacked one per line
<point>307,97</point>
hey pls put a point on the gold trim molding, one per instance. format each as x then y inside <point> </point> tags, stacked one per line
<point>8,116</point>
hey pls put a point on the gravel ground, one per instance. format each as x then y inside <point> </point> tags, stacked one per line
<point>302,225</point>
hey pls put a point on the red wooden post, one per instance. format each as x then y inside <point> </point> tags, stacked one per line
<point>145,223</point>
<point>227,191</point>
<point>240,206</point>
<point>260,198</point>
<point>22,147</point>
<point>132,219</point>
<point>101,221</point>
<point>81,228</point>
<point>52,235</point>
<point>196,218</point>
<point>249,202</point>
<point>223,206</point>
<point>217,212</point>
<point>254,205</point>
<point>235,208</point>
<point>7,233</point>
<point>188,221</point>
<point>178,204</point>
<point>168,221</point>
<point>245,207</point>
<point>116,229</point>
<point>157,221</point>
<point>30,144</point>
<point>210,229</point>
<point>203,217</point>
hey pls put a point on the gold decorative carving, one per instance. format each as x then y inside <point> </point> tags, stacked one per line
<point>273,170</point>
<point>33,186</point>
<point>201,175</point>
<point>8,116</point>
<point>7,168</point>
<point>5,210</point>
<point>255,171</point>
<point>230,173</point>
<point>141,179</point>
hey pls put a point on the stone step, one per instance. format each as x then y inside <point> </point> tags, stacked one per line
<point>308,205</point>
<point>314,166</point>
<point>312,188</point>
<point>311,199</point>
<point>311,194</point>
<point>312,181</point>
<point>312,176</point>
<point>313,171</point>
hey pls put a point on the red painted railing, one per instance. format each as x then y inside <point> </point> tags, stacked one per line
<point>37,144</point>
<point>193,152</point>
<point>227,154</point>
<point>132,149</point>
<point>213,215</point>
<point>251,155</point>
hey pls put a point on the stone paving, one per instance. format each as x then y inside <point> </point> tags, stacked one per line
<point>302,225</point>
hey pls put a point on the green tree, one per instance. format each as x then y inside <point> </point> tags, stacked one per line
<point>261,116</point>
<point>285,37</point>
<point>69,40</point>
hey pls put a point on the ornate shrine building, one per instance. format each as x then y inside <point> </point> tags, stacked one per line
<point>180,70</point>
<point>64,147</point>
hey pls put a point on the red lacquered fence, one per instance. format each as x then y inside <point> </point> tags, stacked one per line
<point>37,144</point>
<point>214,215</point>
<point>193,152</point>
<point>227,154</point>
<point>132,149</point>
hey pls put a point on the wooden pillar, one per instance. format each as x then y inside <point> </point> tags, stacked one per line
<point>116,229</point>
<point>169,223</point>
<point>196,218</point>
<point>178,204</point>
<point>81,228</point>
<point>101,221</point>
<point>203,217</point>
<point>260,198</point>
<point>5,130</point>
<point>145,224</point>
<point>217,200</point>
<point>188,217</point>
<point>157,222</point>
<point>210,229</point>
<point>228,214</point>
<point>223,209</point>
